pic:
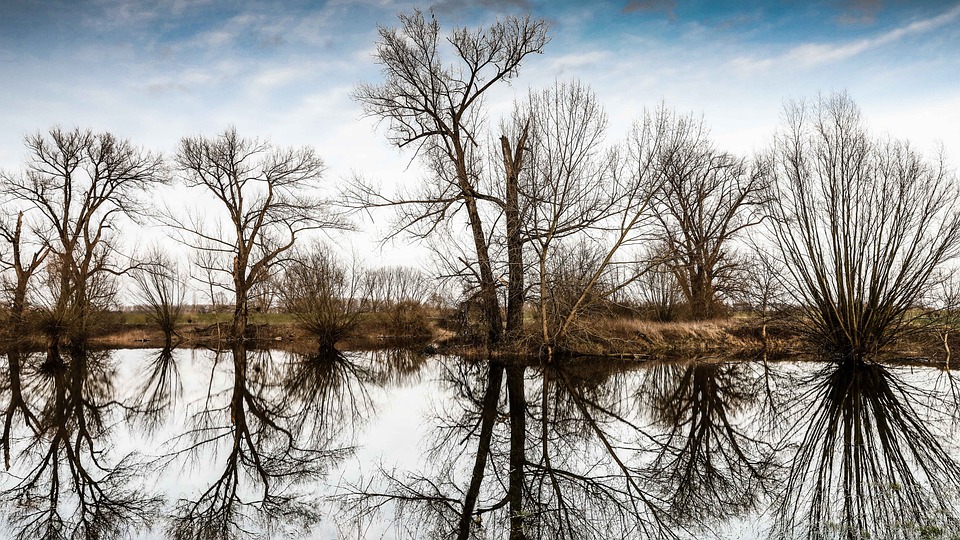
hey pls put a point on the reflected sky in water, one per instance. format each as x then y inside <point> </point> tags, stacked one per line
<point>391,444</point>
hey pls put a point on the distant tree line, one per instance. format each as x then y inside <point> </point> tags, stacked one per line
<point>562,224</point>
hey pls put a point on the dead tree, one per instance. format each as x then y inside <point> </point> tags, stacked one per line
<point>268,201</point>
<point>435,106</point>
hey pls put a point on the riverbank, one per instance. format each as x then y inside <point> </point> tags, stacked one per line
<point>621,337</point>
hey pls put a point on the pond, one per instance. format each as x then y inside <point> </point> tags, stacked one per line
<point>392,444</point>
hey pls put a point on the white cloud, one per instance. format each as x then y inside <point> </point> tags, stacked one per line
<point>812,55</point>
<point>576,61</point>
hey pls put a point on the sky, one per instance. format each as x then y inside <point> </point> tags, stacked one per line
<point>154,71</point>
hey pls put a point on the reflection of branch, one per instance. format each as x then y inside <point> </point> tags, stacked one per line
<point>633,489</point>
<point>868,458</point>
<point>265,457</point>
<point>64,489</point>
<point>17,403</point>
<point>708,467</point>
<point>159,391</point>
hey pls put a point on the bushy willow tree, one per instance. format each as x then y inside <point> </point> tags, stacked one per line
<point>863,224</point>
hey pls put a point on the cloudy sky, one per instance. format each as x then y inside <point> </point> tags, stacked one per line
<point>156,70</point>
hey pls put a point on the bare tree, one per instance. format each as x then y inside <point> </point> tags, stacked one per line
<point>564,188</point>
<point>23,271</point>
<point>16,329</point>
<point>436,107</point>
<point>863,225</point>
<point>267,195</point>
<point>712,465</point>
<point>80,183</point>
<point>873,457</point>
<point>564,463</point>
<point>161,288</point>
<point>658,290</point>
<point>706,198</point>
<point>580,198</point>
<point>326,298</point>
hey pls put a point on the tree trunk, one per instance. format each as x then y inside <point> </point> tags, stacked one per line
<point>518,441</point>
<point>238,325</point>
<point>488,417</point>
<point>488,285</point>
<point>512,163</point>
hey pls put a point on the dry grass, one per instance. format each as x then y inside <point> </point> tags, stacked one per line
<point>631,335</point>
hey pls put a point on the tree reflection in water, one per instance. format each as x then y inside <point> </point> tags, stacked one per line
<point>272,429</point>
<point>558,456</point>
<point>712,462</point>
<point>872,457</point>
<point>62,484</point>
<point>158,390</point>
<point>591,449</point>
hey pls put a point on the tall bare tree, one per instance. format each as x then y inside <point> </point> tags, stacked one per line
<point>434,104</point>
<point>268,197</point>
<point>706,198</point>
<point>80,183</point>
<point>579,197</point>
<point>567,189</point>
<point>65,482</point>
<point>864,225</point>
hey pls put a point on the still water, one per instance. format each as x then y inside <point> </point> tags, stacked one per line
<point>391,444</point>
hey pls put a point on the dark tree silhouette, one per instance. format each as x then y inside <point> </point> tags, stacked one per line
<point>872,457</point>
<point>705,199</point>
<point>263,458</point>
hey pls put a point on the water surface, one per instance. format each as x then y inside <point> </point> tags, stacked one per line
<point>390,444</point>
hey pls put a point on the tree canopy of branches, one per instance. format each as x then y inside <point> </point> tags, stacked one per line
<point>80,183</point>
<point>863,225</point>
<point>436,107</point>
<point>266,451</point>
<point>568,187</point>
<point>705,198</point>
<point>583,201</point>
<point>872,459</point>
<point>268,197</point>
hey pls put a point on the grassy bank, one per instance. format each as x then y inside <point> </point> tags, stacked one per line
<point>622,337</point>
<point>603,337</point>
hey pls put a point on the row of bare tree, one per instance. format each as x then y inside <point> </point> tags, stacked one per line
<point>856,230</point>
<point>78,187</point>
